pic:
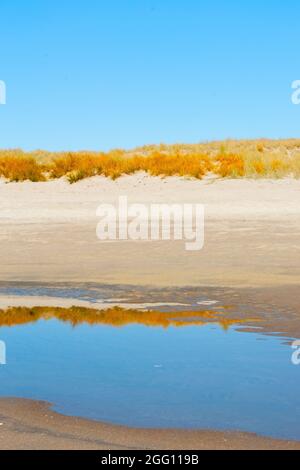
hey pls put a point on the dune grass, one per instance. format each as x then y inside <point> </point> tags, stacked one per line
<point>20,167</point>
<point>228,159</point>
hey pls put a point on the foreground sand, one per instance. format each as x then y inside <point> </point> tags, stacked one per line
<point>48,233</point>
<point>33,425</point>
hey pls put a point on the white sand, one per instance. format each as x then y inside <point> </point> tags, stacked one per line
<point>58,201</point>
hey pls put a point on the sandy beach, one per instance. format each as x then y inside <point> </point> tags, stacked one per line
<point>48,233</point>
<point>33,425</point>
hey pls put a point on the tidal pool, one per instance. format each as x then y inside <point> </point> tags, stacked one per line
<point>192,376</point>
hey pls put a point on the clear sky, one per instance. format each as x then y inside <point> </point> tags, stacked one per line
<point>100,74</point>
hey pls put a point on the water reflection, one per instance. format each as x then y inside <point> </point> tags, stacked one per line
<point>163,376</point>
<point>119,317</point>
<point>154,368</point>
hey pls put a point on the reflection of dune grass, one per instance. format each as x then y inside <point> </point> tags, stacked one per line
<point>116,317</point>
<point>235,159</point>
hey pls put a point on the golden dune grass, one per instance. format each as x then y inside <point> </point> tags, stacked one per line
<point>228,159</point>
<point>116,317</point>
<point>18,167</point>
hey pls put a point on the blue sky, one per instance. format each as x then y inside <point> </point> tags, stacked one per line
<point>100,74</point>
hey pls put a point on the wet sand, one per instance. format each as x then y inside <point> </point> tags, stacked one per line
<point>274,310</point>
<point>27,424</point>
<point>44,301</point>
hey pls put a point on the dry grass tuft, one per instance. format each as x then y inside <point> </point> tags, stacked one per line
<point>229,165</point>
<point>180,164</point>
<point>21,168</point>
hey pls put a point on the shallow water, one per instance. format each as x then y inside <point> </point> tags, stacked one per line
<point>188,377</point>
